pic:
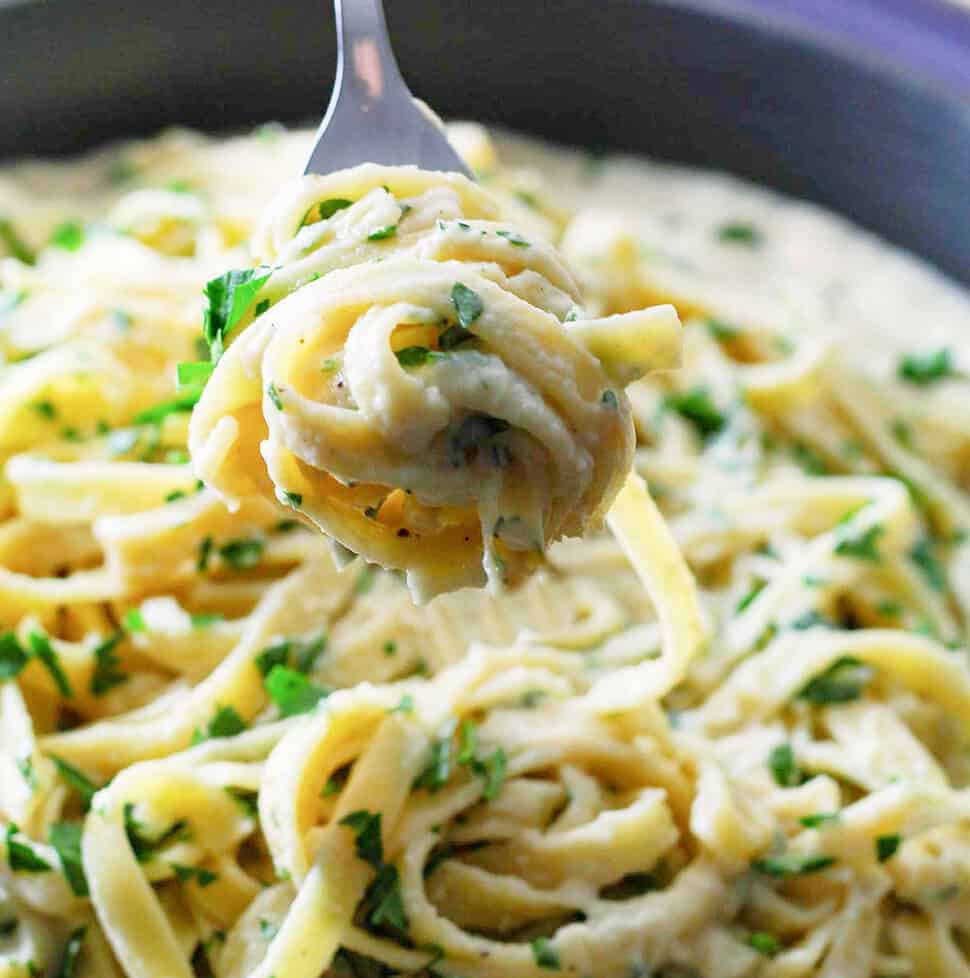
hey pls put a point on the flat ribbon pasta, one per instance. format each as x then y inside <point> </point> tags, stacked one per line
<point>420,385</point>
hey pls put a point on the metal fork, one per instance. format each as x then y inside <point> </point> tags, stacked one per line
<point>372,116</point>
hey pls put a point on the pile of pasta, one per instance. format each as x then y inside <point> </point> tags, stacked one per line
<point>727,738</point>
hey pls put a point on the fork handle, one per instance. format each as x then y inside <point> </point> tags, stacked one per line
<point>365,59</point>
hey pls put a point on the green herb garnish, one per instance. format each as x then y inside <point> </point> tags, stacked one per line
<point>65,837</point>
<point>292,692</point>
<point>12,656</point>
<point>737,232</point>
<point>792,864</point>
<point>842,682</point>
<point>924,369</point>
<point>225,723</point>
<point>106,673</point>
<point>544,954</point>
<point>16,245</point>
<point>144,846</point>
<point>468,304</point>
<point>781,763</point>
<point>21,857</point>
<point>382,233</point>
<point>68,236</point>
<point>185,874</point>
<point>886,846</point>
<point>697,407</point>
<point>863,546</point>
<point>42,650</point>
<point>76,779</point>
<point>229,297</point>
<point>923,555</point>
<point>243,553</point>
<point>766,944</point>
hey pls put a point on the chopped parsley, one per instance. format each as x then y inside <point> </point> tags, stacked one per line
<point>45,409</point>
<point>247,800</point>
<point>471,435</point>
<point>77,780</point>
<point>205,619</point>
<point>9,926</point>
<point>12,656</point>
<point>721,330</point>
<point>417,356</point>
<point>842,682</point>
<point>923,555</point>
<point>863,546</point>
<point>72,951</point>
<point>886,846</point>
<point>513,239</point>
<point>299,654</point>
<point>781,763</point>
<point>490,769</point>
<point>366,579</point>
<point>294,499</point>
<point>68,236</point>
<point>382,905</point>
<point>185,874</point>
<point>389,647</point>
<point>327,208</point>
<point>924,369</point>
<point>144,846</point>
<point>274,395</point>
<point>229,297</point>
<point>545,954</point>
<point>225,723</point>
<point>437,771</point>
<point>697,407</point>
<point>792,864</point>
<point>243,553</point>
<point>329,365</point>
<point>43,651</point>
<point>382,233</point>
<point>454,336</point>
<point>335,783</point>
<point>738,232</point>
<point>192,373</point>
<point>65,837</point>
<point>818,820</point>
<point>748,598</point>
<point>159,412</point>
<point>766,944</point>
<point>21,857</point>
<point>292,692</point>
<point>468,304</point>
<point>14,244</point>
<point>133,621</point>
<point>268,929</point>
<point>405,705</point>
<point>106,673</point>
<point>808,459</point>
<point>205,552</point>
<point>902,432</point>
<point>367,836</point>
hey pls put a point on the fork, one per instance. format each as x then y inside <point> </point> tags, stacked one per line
<point>372,115</point>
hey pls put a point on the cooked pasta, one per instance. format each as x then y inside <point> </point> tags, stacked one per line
<point>409,384</point>
<point>726,737</point>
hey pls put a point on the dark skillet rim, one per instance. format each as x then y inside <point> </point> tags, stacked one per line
<point>922,43</point>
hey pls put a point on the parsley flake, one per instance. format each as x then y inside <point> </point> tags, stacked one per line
<point>924,369</point>
<point>229,297</point>
<point>65,837</point>
<point>545,954</point>
<point>43,651</point>
<point>12,656</point>
<point>21,857</point>
<point>106,673</point>
<point>792,864</point>
<point>468,304</point>
<point>737,232</point>
<point>77,780</point>
<point>886,846</point>
<point>292,692</point>
<point>842,682</point>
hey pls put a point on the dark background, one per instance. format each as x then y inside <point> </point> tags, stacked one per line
<point>863,105</point>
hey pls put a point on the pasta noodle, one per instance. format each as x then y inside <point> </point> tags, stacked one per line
<point>726,736</point>
<point>410,386</point>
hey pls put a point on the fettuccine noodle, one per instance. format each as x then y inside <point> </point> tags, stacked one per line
<point>724,737</point>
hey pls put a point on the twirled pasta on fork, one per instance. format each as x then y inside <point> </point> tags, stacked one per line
<point>419,380</point>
